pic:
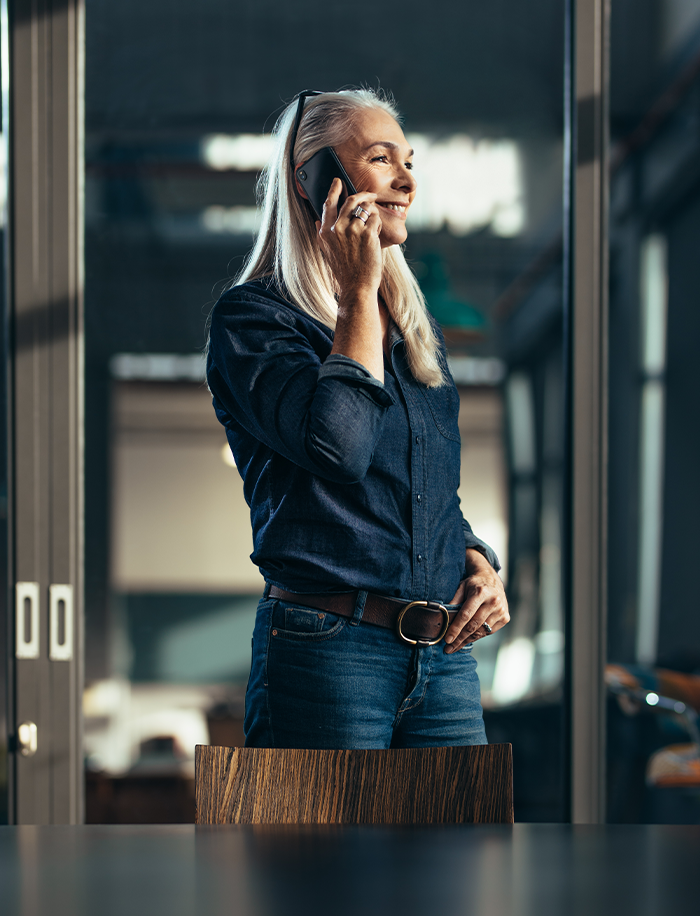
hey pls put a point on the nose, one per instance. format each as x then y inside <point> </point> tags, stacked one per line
<point>404,180</point>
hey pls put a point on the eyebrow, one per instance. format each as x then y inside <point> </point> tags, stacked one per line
<point>388,144</point>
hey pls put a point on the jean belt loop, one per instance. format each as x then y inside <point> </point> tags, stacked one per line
<point>266,593</point>
<point>359,608</point>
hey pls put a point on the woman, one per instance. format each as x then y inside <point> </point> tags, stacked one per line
<point>331,381</point>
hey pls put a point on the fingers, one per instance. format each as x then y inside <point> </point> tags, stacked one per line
<point>365,199</point>
<point>341,218</point>
<point>351,244</point>
<point>475,629</point>
<point>475,609</point>
<point>482,603</point>
<point>368,225</point>
<point>373,223</point>
<point>330,206</point>
<point>352,223</point>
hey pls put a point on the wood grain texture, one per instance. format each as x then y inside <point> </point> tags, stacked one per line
<point>442,785</point>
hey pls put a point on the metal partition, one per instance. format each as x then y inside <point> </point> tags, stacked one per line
<point>587,414</point>
<point>44,116</point>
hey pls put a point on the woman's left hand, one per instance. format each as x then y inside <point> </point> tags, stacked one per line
<point>483,600</point>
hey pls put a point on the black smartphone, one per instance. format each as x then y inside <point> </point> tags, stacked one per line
<point>316,177</point>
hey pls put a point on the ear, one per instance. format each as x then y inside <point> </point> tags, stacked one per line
<point>301,192</point>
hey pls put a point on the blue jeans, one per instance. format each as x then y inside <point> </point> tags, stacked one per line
<point>322,681</point>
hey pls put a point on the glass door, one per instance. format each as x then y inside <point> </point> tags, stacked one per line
<point>180,101</point>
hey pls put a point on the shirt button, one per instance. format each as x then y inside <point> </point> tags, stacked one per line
<point>419,557</point>
<point>418,498</point>
<point>417,438</point>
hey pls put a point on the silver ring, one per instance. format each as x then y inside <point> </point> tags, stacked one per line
<point>357,211</point>
<point>489,630</point>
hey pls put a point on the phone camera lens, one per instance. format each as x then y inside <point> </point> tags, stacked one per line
<point>302,174</point>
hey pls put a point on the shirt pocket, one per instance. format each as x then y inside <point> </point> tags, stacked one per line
<point>443,404</point>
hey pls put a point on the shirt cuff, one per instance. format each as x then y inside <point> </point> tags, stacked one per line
<point>342,367</point>
<point>475,543</point>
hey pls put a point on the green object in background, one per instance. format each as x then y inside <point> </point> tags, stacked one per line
<point>448,311</point>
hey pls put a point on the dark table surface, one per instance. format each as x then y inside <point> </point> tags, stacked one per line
<point>526,869</point>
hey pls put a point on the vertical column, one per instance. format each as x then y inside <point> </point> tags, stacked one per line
<point>45,305</point>
<point>588,285</point>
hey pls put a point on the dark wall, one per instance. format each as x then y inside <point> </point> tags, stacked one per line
<point>226,66</point>
<point>680,621</point>
<point>623,467</point>
<point>635,60</point>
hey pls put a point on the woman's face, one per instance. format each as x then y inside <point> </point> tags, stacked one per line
<point>378,159</point>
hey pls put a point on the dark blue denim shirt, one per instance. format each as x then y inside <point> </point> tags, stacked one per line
<point>351,483</point>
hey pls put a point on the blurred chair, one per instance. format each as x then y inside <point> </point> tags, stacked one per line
<point>441,785</point>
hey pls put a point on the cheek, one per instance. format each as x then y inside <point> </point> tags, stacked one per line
<point>363,177</point>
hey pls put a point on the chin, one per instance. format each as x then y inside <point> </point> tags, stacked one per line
<point>393,239</point>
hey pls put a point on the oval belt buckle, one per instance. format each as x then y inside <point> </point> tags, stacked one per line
<point>422,642</point>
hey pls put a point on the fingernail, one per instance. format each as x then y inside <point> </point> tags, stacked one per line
<point>449,639</point>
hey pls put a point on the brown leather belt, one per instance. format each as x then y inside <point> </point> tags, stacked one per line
<point>418,623</point>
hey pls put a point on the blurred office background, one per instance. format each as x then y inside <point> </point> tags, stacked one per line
<point>654,491</point>
<point>181,98</point>
<point>180,104</point>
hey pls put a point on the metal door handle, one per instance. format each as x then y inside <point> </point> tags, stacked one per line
<point>27,619</point>
<point>61,622</point>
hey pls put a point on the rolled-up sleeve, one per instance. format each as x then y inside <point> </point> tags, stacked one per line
<point>472,541</point>
<point>325,415</point>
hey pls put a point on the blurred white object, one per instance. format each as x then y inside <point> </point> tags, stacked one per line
<point>120,718</point>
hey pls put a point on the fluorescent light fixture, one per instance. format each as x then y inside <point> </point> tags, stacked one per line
<point>158,367</point>
<point>653,309</point>
<point>476,370</point>
<point>242,152</point>
<point>521,420</point>
<point>232,220</point>
<point>465,184</point>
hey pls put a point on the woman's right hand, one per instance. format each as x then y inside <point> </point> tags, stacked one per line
<point>351,246</point>
<point>353,251</point>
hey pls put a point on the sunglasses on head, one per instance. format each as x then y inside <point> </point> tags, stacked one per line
<point>302,97</point>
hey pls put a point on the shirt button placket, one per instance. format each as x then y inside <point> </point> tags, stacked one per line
<point>419,564</point>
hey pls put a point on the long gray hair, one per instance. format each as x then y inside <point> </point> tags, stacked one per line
<point>287,247</point>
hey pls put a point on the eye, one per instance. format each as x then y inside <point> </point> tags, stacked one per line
<point>381,158</point>
<point>409,166</point>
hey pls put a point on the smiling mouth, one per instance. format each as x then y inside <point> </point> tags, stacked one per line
<point>397,208</point>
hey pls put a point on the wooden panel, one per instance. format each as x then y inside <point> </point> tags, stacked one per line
<point>444,785</point>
